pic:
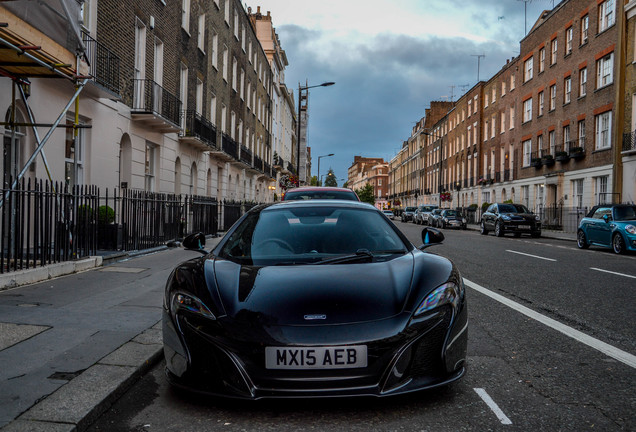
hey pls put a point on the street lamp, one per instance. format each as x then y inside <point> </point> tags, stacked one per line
<point>305,97</point>
<point>320,157</point>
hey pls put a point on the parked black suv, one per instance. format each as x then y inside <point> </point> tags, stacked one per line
<point>510,218</point>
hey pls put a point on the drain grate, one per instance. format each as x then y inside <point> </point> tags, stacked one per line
<point>65,376</point>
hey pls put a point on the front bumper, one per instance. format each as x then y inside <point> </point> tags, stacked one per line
<point>403,357</point>
<point>527,227</point>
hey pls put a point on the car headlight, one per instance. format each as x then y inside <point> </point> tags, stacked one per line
<point>505,217</point>
<point>189,303</point>
<point>449,293</point>
<point>446,220</point>
<point>630,229</point>
<point>537,218</point>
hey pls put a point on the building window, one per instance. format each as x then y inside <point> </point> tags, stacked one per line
<point>226,63</point>
<point>552,97</point>
<point>234,73</point>
<point>601,190</point>
<point>74,155</point>
<point>566,138</point>
<point>553,54</point>
<point>223,119</point>
<point>493,124</point>
<point>512,117</point>
<point>540,144</point>
<point>585,26</point>
<point>512,82</point>
<point>527,69</point>
<point>552,141</point>
<point>503,88</point>
<point>569,35</point>
<point>199,99</point>
<point>494,95</point>
<point>227,12</point>
<point>577,192</point>
<point>486,100</point>
<point>150,167</point>
<point>541,60</point>
<point>213,109</point>
<point>215,50</point>
<point>603,129</point>
<point>583,82</point>
<point>605,71</point>
<point>606,15</point>
<point>527,110</point>
<point>185,15</point>
<point>236,25</point>
<point>527,152</point>
<point>525,195</point>
<point>567,90</point>
<point>581,126</point>
<point>502,119</point>
<point>183,91</point>
<point>201,35</point>
<point>541,102</point>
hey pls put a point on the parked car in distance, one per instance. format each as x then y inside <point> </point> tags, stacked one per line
<point>452,219</point>
<point>434,216</point>
<point>389,214</point>
<point>314,298</point>
<point>314,192</point>
<point>505,218</point>
<point>408,213</point>
<point>609,226</point>
<point>421,214</point>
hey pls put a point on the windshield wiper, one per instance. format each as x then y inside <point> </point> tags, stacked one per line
<point>359,255</point>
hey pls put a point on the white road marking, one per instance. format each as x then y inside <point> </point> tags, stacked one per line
<point>605,348</point>
<point>493,406</point>
<point>614,273</point>
<point>533,256</point>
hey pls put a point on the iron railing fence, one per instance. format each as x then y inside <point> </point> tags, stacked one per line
<point>43,223</point>
<point>629,141</point>
<point>198,126</point>
<point>560,218</point>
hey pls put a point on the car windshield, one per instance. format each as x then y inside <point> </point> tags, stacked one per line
<point>308,235</point>
<point>626,213</point>
<point>317,194</point>
<point>513,208</point>
<point>410,209</point>
<point>450,213</point>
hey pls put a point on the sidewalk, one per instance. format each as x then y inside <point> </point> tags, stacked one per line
<point>72,345</point>
<point>552,234</point>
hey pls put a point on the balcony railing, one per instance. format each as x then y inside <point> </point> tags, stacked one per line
<point>150,97</point>
<point>230,146</point>
<point>104,64</point>
<point>267,169</point>
<point>246,155</point>
<point>629,141</point>
<point>199,127</point>
<point>258,163</point>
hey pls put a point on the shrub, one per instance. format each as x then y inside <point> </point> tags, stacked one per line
<point>105,215</point>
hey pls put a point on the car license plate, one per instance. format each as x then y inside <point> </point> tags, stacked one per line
<point>354,356</point>
<point>523,226</point>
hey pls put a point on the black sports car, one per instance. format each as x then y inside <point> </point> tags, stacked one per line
<point>314,298</point>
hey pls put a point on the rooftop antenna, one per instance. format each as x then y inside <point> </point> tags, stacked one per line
<point>452,92</point>
<point>525,15</point>
<point>479,56</point>
<point>464,87</point>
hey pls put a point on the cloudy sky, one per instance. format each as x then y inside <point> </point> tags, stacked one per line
<point>389,59</point>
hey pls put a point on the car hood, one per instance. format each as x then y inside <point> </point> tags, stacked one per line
<point>313,294</point>
<point>519,216</point>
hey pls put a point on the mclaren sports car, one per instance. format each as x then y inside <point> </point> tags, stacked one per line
<point>316,298</point>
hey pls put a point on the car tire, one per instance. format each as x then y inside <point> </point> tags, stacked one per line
<point>482,228</point>
<point>535,234</point>
<point>517,235</point>
<point>499,229</point>
<point>581,241</point>
<point>618,244</point>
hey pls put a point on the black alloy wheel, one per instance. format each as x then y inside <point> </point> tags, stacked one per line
<point>499,229</point>
<point>581,241</point>
<point>482,228</point>
<point>618,244</point>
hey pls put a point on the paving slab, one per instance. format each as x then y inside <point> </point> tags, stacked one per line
<point>11,334</point>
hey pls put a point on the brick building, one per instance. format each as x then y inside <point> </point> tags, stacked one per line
<point>373,171</point>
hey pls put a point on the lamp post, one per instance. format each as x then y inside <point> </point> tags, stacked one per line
<point>305,97</point>
<point>320,157</point>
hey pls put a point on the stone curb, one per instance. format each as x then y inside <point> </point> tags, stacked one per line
<point>77,404</point>
<point>50,271</point>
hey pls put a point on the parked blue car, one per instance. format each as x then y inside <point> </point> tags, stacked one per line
<point>610,226</point>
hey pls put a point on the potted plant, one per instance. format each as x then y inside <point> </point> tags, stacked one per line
<point>547,160</point>
<point>535,162</point>
<point>562,156</point>
<point>577,153</point>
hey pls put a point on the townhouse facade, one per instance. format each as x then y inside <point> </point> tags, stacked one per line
<point>180,98</point>
<point>552,128</point>
<point>373,171</point>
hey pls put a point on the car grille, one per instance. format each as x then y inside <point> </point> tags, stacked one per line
<point>428,353</point>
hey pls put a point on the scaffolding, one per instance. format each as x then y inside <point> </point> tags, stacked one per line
<point>40,40</point>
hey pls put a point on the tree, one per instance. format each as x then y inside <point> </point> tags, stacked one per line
<point>345,184</point>
<point>313,181</point>
<point>330,180</point>
<point>366,194</point>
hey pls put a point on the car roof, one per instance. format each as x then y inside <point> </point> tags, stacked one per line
<point>316,203</point>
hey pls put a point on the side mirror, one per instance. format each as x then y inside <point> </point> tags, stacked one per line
<point>195,241</point>
<point>430,237</point>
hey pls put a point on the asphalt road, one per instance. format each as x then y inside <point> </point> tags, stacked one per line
<point>551,343</point>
